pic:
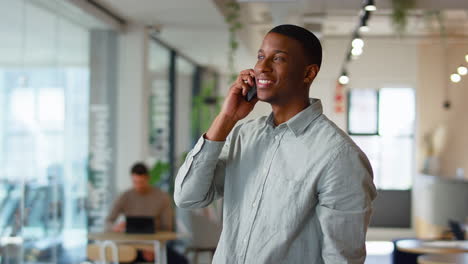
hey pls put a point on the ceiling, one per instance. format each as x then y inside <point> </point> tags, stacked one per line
<point>197,27</point>
<point>338,18</point>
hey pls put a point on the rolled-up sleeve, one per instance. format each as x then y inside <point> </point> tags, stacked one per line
<point>200,179</point>
<point>345,192</point>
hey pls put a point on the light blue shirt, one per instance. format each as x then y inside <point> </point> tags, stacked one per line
<point>300,192</point>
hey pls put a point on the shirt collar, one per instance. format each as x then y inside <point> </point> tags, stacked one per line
<point>301,120</point>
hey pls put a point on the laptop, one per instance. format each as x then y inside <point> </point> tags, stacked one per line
<point>139,225</point>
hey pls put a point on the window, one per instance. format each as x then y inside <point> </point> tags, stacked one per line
<point>363,112</point>
<point>44,100</point>
<point>390,147</point>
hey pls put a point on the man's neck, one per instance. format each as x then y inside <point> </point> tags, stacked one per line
<point>283,112</point>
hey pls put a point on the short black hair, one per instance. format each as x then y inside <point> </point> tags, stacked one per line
<point>308,40</point>
<point>139,168</point>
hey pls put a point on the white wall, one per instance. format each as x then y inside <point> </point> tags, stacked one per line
<point>132,113</point>
<point>434,76</point>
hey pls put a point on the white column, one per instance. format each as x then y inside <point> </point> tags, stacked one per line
<point>132,110</point>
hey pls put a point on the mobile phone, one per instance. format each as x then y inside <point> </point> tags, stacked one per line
<point>252,92</point>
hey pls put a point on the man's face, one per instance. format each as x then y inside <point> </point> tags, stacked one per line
<point>280,69</point>
<point>140,182</point>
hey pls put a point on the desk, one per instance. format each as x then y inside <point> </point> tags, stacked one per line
<point>443,259</point>
<point>158,240</point>
<point>416,246</point>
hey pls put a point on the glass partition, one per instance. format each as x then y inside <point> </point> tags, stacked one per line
<point>44,99</point>
<point>160,132</point>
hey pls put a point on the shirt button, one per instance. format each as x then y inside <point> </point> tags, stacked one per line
<point>276,137</point>
<point>245,240</point>
<point>253,205</point>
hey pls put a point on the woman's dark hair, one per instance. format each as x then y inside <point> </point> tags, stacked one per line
<point>139,168</point>
<point>310,43</point>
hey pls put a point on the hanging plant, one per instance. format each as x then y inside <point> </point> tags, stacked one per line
<point>232,19</point>
<point>400,14</point>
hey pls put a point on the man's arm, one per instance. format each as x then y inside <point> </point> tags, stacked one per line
<point>200,179</point>
<point>346,191</point>
<point>117,209</point>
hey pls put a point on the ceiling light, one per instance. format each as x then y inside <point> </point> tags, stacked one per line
<point>364,27</point>
<point>344,79</point>
<point>365,15</point>
<point>370,8</point>
<point>357,43</point>
<point>466,57</point>
<point>462,70</point>
<point>455,78</point>
<point>370,5</point>
<point>356,51</point>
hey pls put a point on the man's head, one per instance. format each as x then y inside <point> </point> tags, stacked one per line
<point>140,177</point>
<point>288,61</point>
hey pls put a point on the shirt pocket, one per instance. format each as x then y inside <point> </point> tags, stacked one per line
<point>285,205</point>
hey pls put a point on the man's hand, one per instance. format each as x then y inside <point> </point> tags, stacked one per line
<point>235,107</point>
<point>120,227</point>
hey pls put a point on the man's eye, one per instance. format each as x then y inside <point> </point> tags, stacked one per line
<point>260,57</point>
<point>279,59</point>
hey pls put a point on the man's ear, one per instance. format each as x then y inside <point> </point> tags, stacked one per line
<point>311,73</point>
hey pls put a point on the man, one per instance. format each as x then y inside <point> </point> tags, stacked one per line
<point>296,188</point>
<point>142,200</point>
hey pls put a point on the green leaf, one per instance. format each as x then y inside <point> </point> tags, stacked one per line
<point>158,170</point>
<point>234,45</point>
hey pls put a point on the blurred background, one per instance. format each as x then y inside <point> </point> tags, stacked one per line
<point>89,87</point>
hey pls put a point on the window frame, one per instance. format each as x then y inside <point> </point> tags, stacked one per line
<point>348,108</point>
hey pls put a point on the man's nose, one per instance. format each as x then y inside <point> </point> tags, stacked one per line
<point>263,66</point>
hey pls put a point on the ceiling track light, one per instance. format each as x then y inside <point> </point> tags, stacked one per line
<point>357,43</point>
<point>348,56</point>
<point>462,70</point>
<point>369,5</point>
<point>356,52</point>
<point>363,27</point>
<point>455,78</point>
<point>344,78</point>
<point>365,15</point>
